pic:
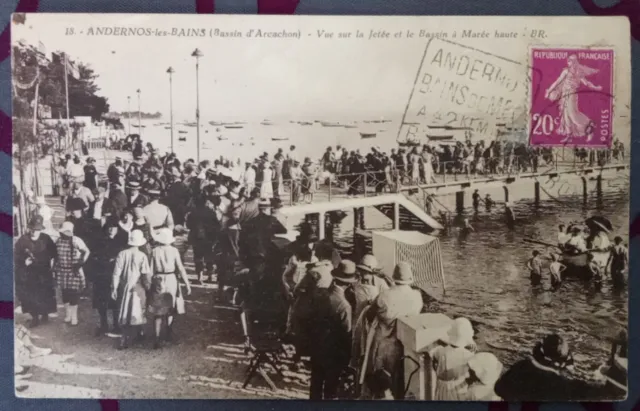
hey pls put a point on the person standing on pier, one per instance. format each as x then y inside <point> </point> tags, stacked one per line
<point>135,198</point>
<point>165,293</point>
<point>90,174</point>
<point>204,228</point>
<point>131,280</point>
<point>35,289</point>
<point>71,254</point>
<point>105,256</point>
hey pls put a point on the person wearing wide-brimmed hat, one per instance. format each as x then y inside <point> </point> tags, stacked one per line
<point>167,269</point>
<point>33,253</point>
<point>576,243</point>
<point>541,376</point>
<point>450,361</point>
<point>484,371</point>
<point>385,349</point>
<point>71,254</point>
<point>131,281</point>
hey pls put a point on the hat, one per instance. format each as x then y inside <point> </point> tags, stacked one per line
<point>403,274</point>
<point>118,158</point>
<point>460,334</point>
<point>553,351</point>
<point>91,160</point>
<point>345,272</point>
<point>134,185</point>
<point>164,236</point>
<point>264,203</point>
<point>136,239</point>
<point>37,223</point>
<point>66,228</point>
<point>486,366</point>
<point>276,203</point>
<point>369,263</point>
<point>40,200</point>
<point>76,204</point>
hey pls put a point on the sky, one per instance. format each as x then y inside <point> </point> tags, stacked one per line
<point>249,78</point>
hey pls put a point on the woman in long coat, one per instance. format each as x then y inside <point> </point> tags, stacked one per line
<point>167,268</point>
<point>130,282</point>
<point>35,288</point>
<point>109,246</point>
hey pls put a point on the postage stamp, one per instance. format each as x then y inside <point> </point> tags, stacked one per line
<point>575,106</point>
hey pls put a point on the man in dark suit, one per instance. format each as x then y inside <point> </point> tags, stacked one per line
<point>330,334</point>
<point>118,199</point>
<point>135,198</point>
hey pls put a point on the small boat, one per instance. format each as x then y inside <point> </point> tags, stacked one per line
<point>182,131</point>
<point>182,139</point>
<point>409,143</point>
<point>305,123</point>
<point>440,137</point>
<point>232,126</point>
<point>220,138</point>
<point>328,124</point>
<point>191,124</point>
<point>167,128</point>
<point>266,123</point>
<point>139,125</point>
<point>279,138</point>
<point>350,126</point>
<point>367,135</point>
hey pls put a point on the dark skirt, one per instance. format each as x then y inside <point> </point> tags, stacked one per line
<point>35,290</point>
<point>102,293</point>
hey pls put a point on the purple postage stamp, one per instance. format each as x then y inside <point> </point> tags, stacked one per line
<point>575,102</point>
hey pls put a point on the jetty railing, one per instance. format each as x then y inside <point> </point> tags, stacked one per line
<point>324,186</point>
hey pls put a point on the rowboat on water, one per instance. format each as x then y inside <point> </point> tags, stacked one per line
<point>182,131</point>
<point>279,138</point>
<point>232,126</point>
<point>577,264</point>
<point>182,139</point>
<point>367,135</point>
<point>580,260</point>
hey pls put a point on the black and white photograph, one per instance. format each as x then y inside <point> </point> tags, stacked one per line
<point>325,208</point>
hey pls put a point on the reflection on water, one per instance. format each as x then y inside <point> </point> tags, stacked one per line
<point>488,282</point>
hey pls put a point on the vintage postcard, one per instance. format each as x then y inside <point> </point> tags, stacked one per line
<point>253,207</point>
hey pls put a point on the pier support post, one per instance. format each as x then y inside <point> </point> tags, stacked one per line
<point>321,226</point>
<point>460,202</point>
<point>599,185</point>
<point>585,190</point>
<point>536,193</point>
<point>506,193</point>
<point>396,216</point>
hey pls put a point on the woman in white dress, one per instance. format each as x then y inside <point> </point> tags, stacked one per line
<point>266,188</point>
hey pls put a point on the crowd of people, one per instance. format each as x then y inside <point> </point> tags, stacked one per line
<point>126,237</point>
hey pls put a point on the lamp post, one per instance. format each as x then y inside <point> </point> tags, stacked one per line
<point>139,115</point>
<point>170,70</point>
<point>197,54</point>
<point>129,113</point>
